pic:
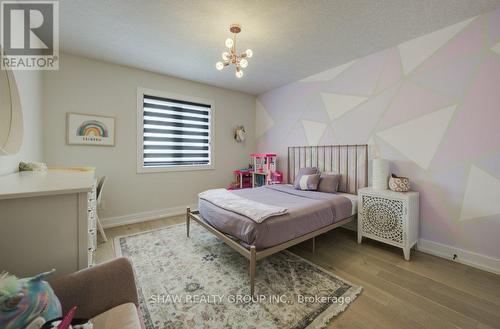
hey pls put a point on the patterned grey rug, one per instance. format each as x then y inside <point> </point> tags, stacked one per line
<point>199,282</point>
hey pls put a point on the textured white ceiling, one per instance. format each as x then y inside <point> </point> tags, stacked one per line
<point>291,39</point>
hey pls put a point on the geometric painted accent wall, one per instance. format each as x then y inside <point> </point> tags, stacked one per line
<point>430,105</point>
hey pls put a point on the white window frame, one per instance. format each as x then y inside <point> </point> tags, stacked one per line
<point>140,131</point>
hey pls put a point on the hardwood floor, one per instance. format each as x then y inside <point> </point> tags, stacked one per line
<point>426,292</point>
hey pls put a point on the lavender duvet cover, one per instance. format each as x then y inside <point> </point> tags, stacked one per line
<point>307,212</point>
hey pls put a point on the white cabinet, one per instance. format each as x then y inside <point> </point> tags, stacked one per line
<point>389,217</point>
<point>47,220</point>
<point>92,224</point>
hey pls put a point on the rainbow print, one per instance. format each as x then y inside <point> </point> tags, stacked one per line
<point>92,128</point>
<point>83,129</point>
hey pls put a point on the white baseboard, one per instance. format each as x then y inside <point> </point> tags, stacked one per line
<point>466,257</point>
<point>144,216</point>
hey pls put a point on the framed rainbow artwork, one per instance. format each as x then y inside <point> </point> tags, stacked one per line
<point>90,129</point>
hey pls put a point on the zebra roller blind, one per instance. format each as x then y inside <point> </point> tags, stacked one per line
<point>176,133</point>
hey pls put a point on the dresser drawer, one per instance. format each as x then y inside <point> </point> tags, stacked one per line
<point>91,258</point>
<point>92,240</point>
<point>92,204</point>
<point>92,225</point>
<point>92,220</point>
<point>92,195</point>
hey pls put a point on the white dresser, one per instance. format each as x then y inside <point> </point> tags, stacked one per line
<point>47,220</point>
<point>390,217</point>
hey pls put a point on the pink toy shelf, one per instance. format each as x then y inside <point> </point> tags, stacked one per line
<point>243,179</point>
<point>262,172</point>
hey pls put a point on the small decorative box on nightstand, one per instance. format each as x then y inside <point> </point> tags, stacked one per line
<point>388,216</point>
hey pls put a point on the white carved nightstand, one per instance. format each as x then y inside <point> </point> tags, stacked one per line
<point>388,216</point>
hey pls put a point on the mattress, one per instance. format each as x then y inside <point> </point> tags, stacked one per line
<point>307,211</point>
<point>354,201</point>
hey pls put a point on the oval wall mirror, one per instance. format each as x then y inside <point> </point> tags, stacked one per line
<point>11,116</point>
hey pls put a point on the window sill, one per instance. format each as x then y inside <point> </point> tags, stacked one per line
<point>148,170</point>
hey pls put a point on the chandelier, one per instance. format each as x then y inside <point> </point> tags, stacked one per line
<point>231,57</point>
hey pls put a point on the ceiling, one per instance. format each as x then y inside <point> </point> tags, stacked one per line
<point>291,39</point>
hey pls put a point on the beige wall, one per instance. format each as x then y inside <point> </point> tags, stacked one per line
<point>29,84</point>
<point>96,87</point>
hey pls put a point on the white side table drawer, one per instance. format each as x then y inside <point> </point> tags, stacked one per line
<point>383,218</point>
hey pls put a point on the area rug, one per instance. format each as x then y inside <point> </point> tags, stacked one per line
<point>199,282</point>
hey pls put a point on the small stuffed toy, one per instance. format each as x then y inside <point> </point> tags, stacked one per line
<point>69,322</point>
<point>32,166</point>
<point>27,303</point>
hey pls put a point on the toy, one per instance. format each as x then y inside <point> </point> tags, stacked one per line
<point>243,179</point>
<point>26,303</point>
<point>262,172</point>
<point>69,322</point>
<point>32,166</point>
<point>239,134</point>
<point>265,172</point>
<point>264,162</point>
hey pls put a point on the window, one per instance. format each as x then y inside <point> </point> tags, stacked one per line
<point>174,132</point>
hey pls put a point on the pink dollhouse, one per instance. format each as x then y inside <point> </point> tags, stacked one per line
<point>263,172</point>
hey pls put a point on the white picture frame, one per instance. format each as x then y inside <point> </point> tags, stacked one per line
<point>90,129</point>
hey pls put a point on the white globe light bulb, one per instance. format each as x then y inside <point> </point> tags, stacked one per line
<point>219,66</point>
<point>225,55</point>
<point>229,42</point>
<point>243,63</point>
<point>249,53</point>
<point>239,74</point>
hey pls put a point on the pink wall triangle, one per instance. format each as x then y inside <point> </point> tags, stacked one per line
<point>314,110</point>
<point>452,78</point>
<point>452,181</point>
<point>468,41</point>
<point>361,78</point>
<point>412,101</point>
<point>480,235</point>
<point>364,118</point>
<point>491,163</point>
<point>475,129</point>
<point>392,72</point>
<point>437,224</point>
<point>286,111</point>
<point>493,27</point>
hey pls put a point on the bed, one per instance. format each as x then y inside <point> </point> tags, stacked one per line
<point>309,213</point>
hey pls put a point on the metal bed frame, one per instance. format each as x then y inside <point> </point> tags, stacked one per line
<point>345,168</point>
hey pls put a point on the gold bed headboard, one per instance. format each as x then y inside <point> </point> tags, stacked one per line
<point>351,161</point>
